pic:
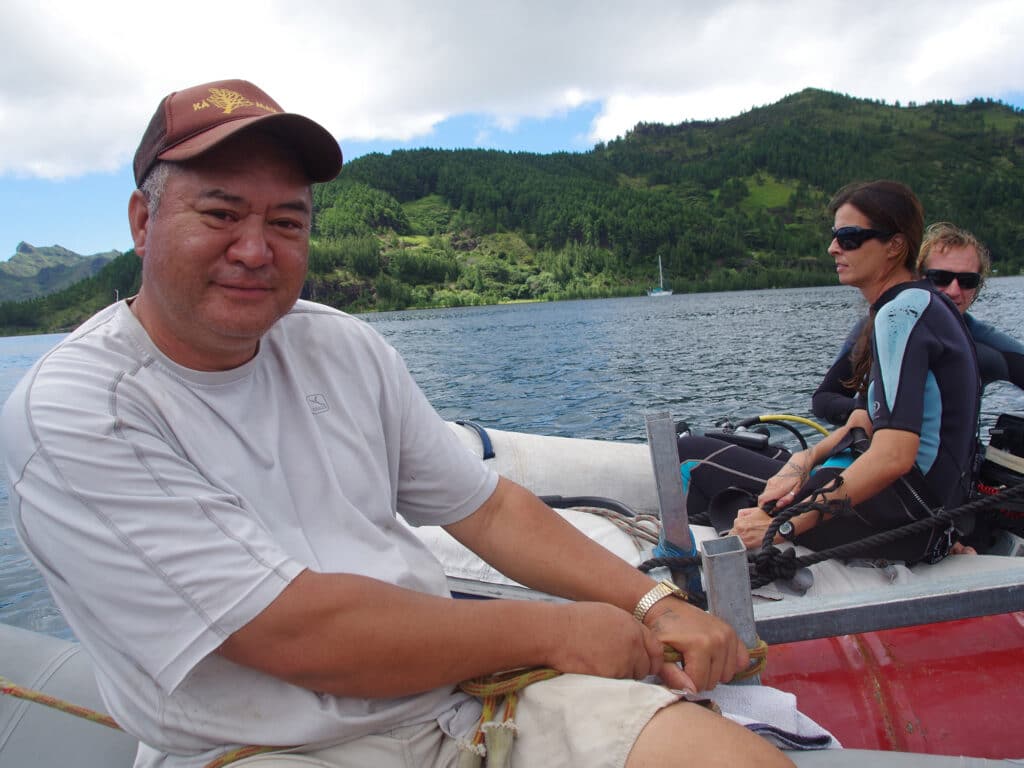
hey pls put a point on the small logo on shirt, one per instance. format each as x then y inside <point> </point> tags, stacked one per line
<point>875,407</point>
<point>317,403</point>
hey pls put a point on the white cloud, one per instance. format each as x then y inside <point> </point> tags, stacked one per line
<point>78,81</point>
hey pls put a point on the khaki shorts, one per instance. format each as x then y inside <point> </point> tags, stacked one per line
<point>572,720</point>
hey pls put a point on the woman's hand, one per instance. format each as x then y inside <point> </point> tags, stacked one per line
<point>750,525</point>
<point>781,487</point>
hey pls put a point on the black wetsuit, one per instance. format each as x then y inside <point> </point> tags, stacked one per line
<point>924,379</point>
<point>1000,358</point>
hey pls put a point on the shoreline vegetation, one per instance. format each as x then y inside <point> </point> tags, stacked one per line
<point>731,204</point>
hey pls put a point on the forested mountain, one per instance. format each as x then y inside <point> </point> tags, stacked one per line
<point>35,271</point>
<point>738,203</point>
<point>727,204</point>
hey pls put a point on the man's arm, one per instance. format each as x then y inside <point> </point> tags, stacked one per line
<point>1000,357</point>
<point>524,539</point>
<point>353,636</point>
<point>350,635</point>
<point>833,400</point>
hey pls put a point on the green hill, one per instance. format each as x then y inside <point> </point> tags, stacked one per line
<point>726,204</point>
<point>32,271</point>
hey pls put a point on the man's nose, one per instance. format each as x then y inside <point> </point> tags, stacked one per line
<point>250,245</point>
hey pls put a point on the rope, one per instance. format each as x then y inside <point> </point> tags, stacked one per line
<point>28,694</point>
<point>500,692</point>
<point>21,692</point>
<point>493,691</point>
<point>770,563</point>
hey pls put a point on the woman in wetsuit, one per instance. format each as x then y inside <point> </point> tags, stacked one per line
<point>915,369</point>
<point>956,263</point>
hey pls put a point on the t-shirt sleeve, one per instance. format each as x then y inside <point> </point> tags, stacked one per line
<point>166,565</point>
<point>440,481</point>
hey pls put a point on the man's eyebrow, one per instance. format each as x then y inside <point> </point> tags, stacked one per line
<point>220,194</point>
<point>298,205</point>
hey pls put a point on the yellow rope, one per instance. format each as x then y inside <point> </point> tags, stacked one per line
<point>13,689</point>
<point>21,692</point>
<point>758,660</point>
<point>490,689</point>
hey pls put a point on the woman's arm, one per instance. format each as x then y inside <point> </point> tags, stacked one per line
<point>890,456</point>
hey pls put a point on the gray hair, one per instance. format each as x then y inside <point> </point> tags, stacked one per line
<point>154,184</point>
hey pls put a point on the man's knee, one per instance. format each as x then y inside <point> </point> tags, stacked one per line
<point>705,738</point>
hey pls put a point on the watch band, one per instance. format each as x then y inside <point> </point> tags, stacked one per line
<point>662,589</point>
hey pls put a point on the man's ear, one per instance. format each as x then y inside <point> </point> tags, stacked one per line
<point>138,220</point>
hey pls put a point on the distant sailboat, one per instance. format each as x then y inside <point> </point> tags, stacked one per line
<point>661,290</point>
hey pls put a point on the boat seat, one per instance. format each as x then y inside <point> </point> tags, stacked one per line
<point>32,734</point>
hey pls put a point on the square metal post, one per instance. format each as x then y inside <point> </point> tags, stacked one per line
<point>661,440</point>
<point>728,588</point>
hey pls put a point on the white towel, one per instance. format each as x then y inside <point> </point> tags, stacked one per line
<point>772,714</point>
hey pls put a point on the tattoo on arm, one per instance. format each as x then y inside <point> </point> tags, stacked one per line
<point>793,469</point>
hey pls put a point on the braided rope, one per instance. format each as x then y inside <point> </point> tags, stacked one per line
<point>28,694</point>
<point>493,689</point>
<point>21,692</point>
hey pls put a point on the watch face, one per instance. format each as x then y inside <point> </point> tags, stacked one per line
<point>786,529</point>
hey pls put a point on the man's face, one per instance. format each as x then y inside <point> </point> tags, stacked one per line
<point>956,259</point>
<point>225,255</point>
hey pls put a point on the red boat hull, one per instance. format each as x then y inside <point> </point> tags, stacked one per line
<point>955,688</point>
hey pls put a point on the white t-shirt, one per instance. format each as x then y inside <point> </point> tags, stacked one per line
<point>168,507</point>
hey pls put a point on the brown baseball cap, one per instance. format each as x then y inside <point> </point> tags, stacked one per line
<point>190,122</point>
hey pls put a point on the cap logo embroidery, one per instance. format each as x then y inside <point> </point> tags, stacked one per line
<point>228,101</point>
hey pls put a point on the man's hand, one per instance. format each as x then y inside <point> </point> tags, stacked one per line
<point>712,652</point>
<point>600,639</point>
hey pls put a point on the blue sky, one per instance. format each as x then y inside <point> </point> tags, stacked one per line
<point>79,81</point>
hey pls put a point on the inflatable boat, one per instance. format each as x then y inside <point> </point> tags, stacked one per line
<point>917,666</point>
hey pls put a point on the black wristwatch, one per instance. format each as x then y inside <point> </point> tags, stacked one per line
<point>787,531</point>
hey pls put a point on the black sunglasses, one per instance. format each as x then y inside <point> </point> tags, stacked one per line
<point>852,238</point>
<point>943,277</point>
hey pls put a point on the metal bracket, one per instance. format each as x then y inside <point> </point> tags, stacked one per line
<point>661,440</point>
<point>728,588</point>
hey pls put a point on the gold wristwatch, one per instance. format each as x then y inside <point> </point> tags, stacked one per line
<point>662,589</point>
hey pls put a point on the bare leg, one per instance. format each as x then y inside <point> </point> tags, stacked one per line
<point>688,734</point>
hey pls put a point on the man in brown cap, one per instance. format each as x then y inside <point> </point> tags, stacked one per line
<point>209,475</point>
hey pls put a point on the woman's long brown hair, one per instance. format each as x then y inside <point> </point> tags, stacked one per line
<point>891,207</point>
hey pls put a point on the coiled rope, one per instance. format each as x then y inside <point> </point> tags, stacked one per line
<point>499,695</point>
